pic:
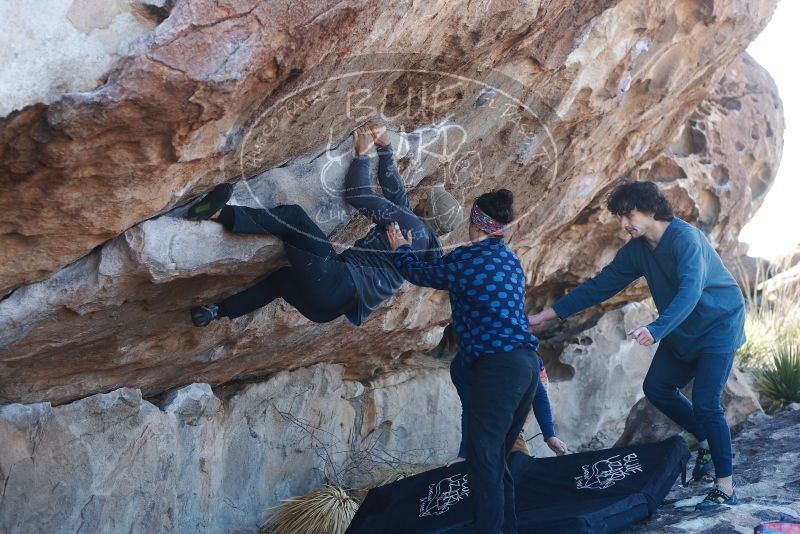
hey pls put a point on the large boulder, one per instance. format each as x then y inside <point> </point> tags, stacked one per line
<point>540,103</point>
<point>199,462</point>
<point>119,413</point>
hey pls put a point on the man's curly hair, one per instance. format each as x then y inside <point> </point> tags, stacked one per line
<point>642,196</point>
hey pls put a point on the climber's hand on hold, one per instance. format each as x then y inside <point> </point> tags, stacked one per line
<point>396,238</point>
<point>362,140</point>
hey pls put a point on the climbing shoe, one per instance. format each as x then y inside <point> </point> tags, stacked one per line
<point>715,498</point>
<point>211,203</point>
<point>702,464</point>
<point>203,315</point>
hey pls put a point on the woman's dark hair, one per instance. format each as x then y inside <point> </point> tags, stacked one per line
<point>499,205</point>
<point>641,196</point>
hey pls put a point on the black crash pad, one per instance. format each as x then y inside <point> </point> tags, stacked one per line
<point>590,492</point>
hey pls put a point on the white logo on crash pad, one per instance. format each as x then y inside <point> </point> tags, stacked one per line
<point>443,495</point>
<point>606,473</point>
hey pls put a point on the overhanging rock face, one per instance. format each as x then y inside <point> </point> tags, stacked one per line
<point>557,101</point>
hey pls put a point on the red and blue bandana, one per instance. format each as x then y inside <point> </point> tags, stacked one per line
<point>486,223</point>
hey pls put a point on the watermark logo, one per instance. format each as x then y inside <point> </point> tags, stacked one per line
<point>605,473</point>
<point>467,128</point>
<point>443,495</point>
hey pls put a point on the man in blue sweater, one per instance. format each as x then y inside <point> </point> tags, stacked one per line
<point>319,283</point>
<point>699,328</point>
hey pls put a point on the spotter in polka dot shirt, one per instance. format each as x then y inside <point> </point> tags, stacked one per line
<point>487,295</point>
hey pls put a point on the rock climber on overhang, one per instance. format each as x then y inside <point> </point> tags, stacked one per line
<point>319,283</point>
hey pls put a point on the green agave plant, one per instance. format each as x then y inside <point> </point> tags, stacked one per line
<point>780,381</point>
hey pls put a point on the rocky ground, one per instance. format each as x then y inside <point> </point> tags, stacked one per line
<point>767,474</point>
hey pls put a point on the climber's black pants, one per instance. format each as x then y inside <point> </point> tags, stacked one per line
<point>501,389</point>
<point>317,283</point>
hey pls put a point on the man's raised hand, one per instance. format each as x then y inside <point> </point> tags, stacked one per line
<point>395,236</point>
<point>642,336</point>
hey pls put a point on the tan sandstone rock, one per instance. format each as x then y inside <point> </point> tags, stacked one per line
<point>204,99</point>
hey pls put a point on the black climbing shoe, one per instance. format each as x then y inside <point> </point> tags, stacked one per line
<point>715,498</point>
<point>702,464</point>
<point>203,315</point>
<point>211,203</point>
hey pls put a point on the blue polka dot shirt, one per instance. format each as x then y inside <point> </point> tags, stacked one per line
<point>487,295</point>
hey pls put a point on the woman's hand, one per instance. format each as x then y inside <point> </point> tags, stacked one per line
<point>395,236</point>
<point>557,446</point>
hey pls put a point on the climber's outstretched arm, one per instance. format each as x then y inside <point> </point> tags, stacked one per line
<point>389,177</point>
<point>360,193</point>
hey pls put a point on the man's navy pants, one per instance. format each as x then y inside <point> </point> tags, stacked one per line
<point>703,416</point>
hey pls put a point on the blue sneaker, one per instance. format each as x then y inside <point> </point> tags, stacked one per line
<point>716,497</point>
<point>702,464</point>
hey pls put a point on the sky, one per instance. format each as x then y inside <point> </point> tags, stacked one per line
<point>775,229</point>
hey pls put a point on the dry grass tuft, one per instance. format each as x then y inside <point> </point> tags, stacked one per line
<point>327,511</point>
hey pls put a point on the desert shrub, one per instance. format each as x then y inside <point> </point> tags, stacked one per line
<point>780,380</point>
<point>328,510</point>
<point>773,319</point>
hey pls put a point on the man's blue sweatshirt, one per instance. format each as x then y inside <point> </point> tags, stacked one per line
<point>700,305</point>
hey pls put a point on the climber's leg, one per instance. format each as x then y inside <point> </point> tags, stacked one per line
<point>289,222</point>
<point>318,284</point>
<point>321,292</point>
<point>322,296</point>
<point>256,296</point>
